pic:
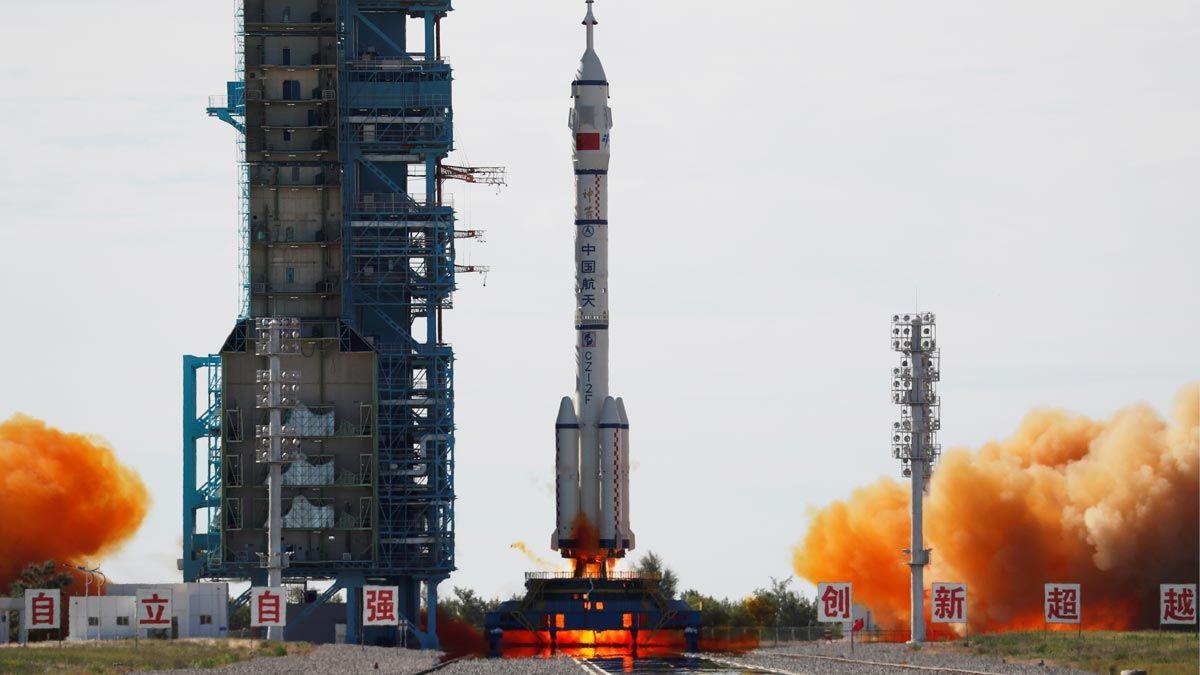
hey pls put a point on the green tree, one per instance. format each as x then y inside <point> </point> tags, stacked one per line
<point>777,605</point>
<point>788,607</point>
<point>239,617</point>
<point>46,574</point>
<point>651,564</point>
<point>467,606</point>
<point>713,611</point>
<point>761,608</point>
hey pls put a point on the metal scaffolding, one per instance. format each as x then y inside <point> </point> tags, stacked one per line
<point>201,491</point>
<point>397,126</point>
<point>372,124</point>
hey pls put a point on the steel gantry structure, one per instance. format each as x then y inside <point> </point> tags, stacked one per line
<point>344,116</point>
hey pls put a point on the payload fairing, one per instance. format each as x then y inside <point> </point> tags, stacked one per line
<point>592,431</point>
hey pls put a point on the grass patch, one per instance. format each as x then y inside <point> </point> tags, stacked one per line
<point>1159,652</point>
<point>123,656</point>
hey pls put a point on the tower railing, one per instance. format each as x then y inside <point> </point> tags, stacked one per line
<point>410,60</point>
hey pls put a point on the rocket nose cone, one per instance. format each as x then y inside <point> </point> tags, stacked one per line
<point>566,411</point>
<point>621,414</point>
<point>608,413</point>
<point>590,68</point>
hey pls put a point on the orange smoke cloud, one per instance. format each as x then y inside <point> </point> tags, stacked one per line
<point>1111,504</point>
<point>63,497</point>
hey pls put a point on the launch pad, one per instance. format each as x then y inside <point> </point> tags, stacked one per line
<point>622,609</point>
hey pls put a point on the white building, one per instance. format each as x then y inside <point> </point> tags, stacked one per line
<point>104,617</point>
<point>11,610</point>
<point>197,610</point>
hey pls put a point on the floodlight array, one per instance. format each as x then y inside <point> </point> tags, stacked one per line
<point>278,389</point>
<point>914,389</point>
<point>289,443</point>
<point>276,336</point>
<point>274,561</point>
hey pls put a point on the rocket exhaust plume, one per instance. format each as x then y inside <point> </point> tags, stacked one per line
<point>1112,504</point>
<point>533,557</point>
<point>64,497</point>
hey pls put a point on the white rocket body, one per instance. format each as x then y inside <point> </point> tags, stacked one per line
<point>600,495</point>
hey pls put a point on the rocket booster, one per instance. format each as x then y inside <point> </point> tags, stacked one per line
<point>592,432</point>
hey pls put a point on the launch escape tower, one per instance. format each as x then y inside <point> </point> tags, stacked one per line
<point>344,114</point>
<point>914,437</point>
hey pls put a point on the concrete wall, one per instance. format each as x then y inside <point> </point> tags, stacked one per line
<point>291,147</point>
<point>300,51</point>
<point>113,617</point>
<point>330,380</point>
<point>292,11</point>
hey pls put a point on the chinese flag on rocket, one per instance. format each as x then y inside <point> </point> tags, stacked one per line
<point>588,141</point>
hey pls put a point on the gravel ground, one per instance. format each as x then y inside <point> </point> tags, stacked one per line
<point>341,659</point>
<point>350,660</point>
<point>930,656</point>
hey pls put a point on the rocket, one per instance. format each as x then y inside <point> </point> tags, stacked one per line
<point>592,430</point>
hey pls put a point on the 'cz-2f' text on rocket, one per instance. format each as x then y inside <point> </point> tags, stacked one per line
<point>592,432</point>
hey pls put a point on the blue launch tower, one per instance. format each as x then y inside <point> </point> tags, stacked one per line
<point>344,116</point>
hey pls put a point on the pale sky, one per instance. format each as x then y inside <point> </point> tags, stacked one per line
<point>784,178</point>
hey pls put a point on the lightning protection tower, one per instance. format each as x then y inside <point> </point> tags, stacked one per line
<point>914,437</point>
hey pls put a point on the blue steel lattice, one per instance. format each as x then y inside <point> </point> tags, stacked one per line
<point>201,498</point>
<point>396,125</point>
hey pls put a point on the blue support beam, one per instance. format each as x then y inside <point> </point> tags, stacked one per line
<point>353,609</point>
<point>232,108</point>
<point>308,611</point>
<point>379,173</point>
<point>430,35</point>
<point>379,32</point>
<point>200,425</point>
<point>241,600</point>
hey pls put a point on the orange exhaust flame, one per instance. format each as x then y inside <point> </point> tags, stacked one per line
<point>1111,504</point>
<point>64,497</point>
<point>587,558</point>
<point>615,643</point>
